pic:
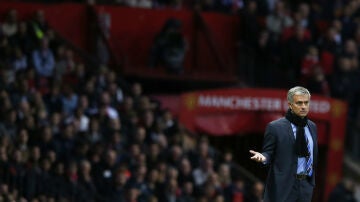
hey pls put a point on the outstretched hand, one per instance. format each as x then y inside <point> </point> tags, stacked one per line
<point>258,157</point>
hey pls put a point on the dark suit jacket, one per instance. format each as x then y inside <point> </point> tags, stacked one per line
<point>279,150</point>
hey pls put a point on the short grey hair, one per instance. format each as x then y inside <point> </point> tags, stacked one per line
<point>297,90</point>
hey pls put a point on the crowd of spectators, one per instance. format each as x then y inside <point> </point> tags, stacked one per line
<point>70,133</point>
<point>304,44</point>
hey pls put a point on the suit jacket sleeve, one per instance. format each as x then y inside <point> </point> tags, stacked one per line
<point>269,143</point>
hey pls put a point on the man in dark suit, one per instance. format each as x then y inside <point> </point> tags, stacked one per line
<point>290,150</point>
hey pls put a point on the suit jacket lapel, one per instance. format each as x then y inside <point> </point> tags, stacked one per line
<point>312,133</point>
<point>290,131</point>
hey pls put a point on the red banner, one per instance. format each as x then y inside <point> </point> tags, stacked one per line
<point>249,100</point>
<point>247,110</point>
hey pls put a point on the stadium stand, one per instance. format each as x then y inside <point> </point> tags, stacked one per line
<point>74,129</point>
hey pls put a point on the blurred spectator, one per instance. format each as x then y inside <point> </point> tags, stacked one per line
<point>94,135</point>
<point>224,172</point>
<point>205,169</point>
<point>104,171</point>
<point>348,23</point>
<point>17,168</point>
<point>104,22</point>
<point>9,124</point>
<point>235,191</point>
<point>69,100</point>
<point>119,189</point>
<point>45,178</point>
<point>310,59</point>
<point>185,173</point>
<point>92,95</point>
<point>20,61</point>
<point>10,27</point>
<point>38,26</point>
<point>107,106</point>
<point>312,73</point>
<point>305,16</point>
<point>266,53</point>
<point>153,182</point>
<point>53,100</point>
<point>249,35</point>
<point>86,181</point>
<point>31,178</point>
<point>250,27</point>
<point>278,20</point>
<point>136,93</point>
<point>64,62</point>
<point>5,51</point>
<point>350,50</point>
<point>171,193</point>
<point>43,59</point>
<point>58,184</point>
<point>81,119</point>
<point>73,190</point>
<point>202,151</point>
<point>187,194</point>
<point>345,85</point>
<point>227,158</point>
<point>317,82</point>
<point>116,94</point>
<point>212,187</point>
<point>149,122</point>
<point>55,123</point>
<point>21,144</point>
<point>4,161</point>
<point>169,47</point>
<point>256,193</point>
<point>133,194</point>
<point>138,181</point>
<point>329,42</point>
<point>175,155</point>
<point>294,50</point>
<point>22,39</point>
<point>65,143</point>
<point>46,140</point>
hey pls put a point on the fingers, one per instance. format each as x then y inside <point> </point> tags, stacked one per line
<point>255,155</point>
<point>253,152</point>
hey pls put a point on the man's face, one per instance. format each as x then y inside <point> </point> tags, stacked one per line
<point>300,106</point>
